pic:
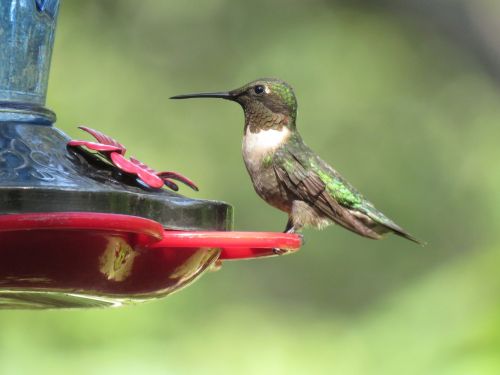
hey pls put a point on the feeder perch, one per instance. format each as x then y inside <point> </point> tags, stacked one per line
<point>81,223</point>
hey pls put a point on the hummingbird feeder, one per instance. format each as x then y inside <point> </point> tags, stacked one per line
<point>81,224</point>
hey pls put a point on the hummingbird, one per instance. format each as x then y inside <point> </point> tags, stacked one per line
<point>289,175</point>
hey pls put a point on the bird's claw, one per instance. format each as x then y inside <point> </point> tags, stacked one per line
<point>302,239</point>
<point>277,251</point>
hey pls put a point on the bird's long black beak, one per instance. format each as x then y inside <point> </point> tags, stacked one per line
<point>223,95</point>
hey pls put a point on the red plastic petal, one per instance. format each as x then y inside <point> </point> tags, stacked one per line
<point>95,146</point>
<point>124,164</point>
<point>142,165</point>
<point>178,177</point>
<point>144,175</point>
<point>103,138</point>
<point>115,151</point>
<point>149,178</point>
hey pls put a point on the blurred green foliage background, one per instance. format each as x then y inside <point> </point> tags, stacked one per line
<point>407,113</point>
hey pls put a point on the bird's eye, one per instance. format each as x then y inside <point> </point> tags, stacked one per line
<point>259,89</point>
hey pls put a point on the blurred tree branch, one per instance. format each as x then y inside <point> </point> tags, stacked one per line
<point>473,25</point>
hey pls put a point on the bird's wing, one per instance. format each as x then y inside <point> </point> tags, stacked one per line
<point>300,178</point>
<point>311,179</point>
<point>352,199</point>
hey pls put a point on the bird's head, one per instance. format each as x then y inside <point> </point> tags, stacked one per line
<point>266,101</point>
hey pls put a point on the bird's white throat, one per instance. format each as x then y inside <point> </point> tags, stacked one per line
<point>263,142</point>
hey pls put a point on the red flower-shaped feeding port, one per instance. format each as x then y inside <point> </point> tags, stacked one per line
<point>113,152</point>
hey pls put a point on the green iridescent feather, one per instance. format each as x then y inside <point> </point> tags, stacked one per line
<point>295,157</point>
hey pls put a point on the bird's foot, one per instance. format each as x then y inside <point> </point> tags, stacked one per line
<point>277,251</point>
<point>292,230</point>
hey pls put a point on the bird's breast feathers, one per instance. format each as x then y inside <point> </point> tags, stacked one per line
<point>257,146</point>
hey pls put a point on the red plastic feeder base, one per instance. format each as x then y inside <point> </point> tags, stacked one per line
<point>82,259</point>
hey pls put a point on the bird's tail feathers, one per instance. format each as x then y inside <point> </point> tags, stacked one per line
<point>386,225</point>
